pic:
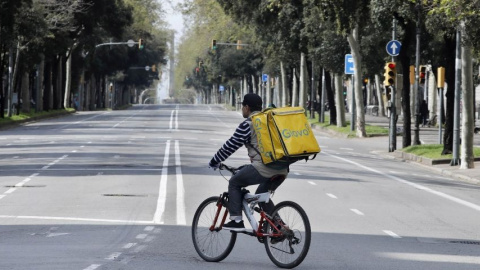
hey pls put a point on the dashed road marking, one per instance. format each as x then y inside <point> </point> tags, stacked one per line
<point>331,196</point>
<point>358,212</point>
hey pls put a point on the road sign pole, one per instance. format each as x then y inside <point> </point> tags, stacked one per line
<point>352,115</point>
<point>393,108</point>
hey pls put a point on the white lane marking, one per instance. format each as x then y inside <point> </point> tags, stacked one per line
<point>129,245</point>
<point>358,212</point>
<point>171,119</point>
<point>74,151</point>
<point>92,267</point>
<point>392,234</point>
<point>331,196</point>
<point>176,119</point>
<point>417,186</point>
<point>10,191</point>
<point>312,183</point>
<point>348,149</point>
<point>141,236</point>
<point>2,196</point>
<point>162,191</point>
<point>181,220</point>
<point>80,219</point>
<point>149,228</point>
<point>433,257</point>
<point>113,256</point>
<point>45,167</point>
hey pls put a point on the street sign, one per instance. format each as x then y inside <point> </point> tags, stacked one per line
<point>130,43</point>
<point>221,88</point>
<point>264,77</point>
<point>393,47</point>
<point>349,64</point>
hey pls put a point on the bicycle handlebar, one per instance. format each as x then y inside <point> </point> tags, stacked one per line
<point>223,166</point>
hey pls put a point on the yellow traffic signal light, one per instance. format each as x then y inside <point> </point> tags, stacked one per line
<point>390,74</point>
<point>239,44</point>
<point>141,44</point>
<point>154,68</point>
<point>214,44</point>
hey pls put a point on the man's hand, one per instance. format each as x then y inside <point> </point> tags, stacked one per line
<point>212,164</point>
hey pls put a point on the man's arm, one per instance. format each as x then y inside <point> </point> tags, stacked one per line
<point>238,139</point>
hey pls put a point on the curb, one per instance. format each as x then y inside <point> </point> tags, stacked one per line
<point>424,162</point>
<point>17,123</point>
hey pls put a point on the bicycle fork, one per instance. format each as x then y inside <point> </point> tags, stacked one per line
<point>222,201</point>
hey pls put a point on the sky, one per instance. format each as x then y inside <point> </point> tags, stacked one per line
<point>174,18</point>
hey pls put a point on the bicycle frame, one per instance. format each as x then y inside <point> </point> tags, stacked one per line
<point>249,206</point>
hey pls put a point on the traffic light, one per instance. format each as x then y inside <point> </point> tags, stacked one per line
<point>421,75</point>
<point>388,93</point>
<point>239,44</point>
<point>154,68</point>
<point>141,44</point>
<point>441,77</point>
<point>412,74</point>
<point>390,74</point>
<point>214,44</point>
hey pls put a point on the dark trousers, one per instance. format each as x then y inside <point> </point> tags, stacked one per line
<point>247,176</point>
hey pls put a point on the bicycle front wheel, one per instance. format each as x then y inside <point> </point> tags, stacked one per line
<point>290,249</point>
<point>211,243</point>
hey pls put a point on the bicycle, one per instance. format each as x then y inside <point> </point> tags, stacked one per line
<point>285,233</point>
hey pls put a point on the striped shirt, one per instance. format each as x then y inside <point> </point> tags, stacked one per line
<point>241,137</point>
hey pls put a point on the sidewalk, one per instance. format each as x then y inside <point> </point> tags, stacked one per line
<point>427,135</point>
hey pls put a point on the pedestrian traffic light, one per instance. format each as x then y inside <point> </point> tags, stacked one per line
<point>239,44</point>
<point>214,44</point>
<point>141,44</point>
<point>390,74</point>
<point>388,93</point>
<point>154,68</point>
<point>421,75</point>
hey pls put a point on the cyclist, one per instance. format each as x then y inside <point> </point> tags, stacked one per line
<point>251,174</point>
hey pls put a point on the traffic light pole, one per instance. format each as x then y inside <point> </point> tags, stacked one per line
<point>416,137</point>
<point>393,109</point>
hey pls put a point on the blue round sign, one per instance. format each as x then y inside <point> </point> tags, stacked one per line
<point>393,47</point>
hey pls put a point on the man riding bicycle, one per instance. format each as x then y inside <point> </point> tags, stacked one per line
<point>251,174</point>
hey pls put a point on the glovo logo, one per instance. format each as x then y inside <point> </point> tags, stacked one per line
<point>288,133</point>
<point>258,127</point>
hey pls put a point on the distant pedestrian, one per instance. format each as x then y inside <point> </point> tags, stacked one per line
<point>424,112</point>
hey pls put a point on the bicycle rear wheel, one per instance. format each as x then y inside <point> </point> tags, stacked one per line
<point>289,250</point>
<point>213,245</point>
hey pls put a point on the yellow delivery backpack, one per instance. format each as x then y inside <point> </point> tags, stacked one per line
<point>284,136</point>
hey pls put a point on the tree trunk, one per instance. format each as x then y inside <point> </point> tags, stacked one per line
<point>330,98</point>
<point>294,89</point>
<point>26,92</point>
<point>40,83</point>
<point>450,45</point>
<point>468,119</point>
<point>68,81</point>
<point>339,101</point>
<point>303,94</point>
<point>284,86</point>
<point>357,59</point>
<point>381,105</point>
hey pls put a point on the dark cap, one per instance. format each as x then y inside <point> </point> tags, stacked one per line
<point>254,101</point>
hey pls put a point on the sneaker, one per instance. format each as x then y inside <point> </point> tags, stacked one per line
<point>234,226</point>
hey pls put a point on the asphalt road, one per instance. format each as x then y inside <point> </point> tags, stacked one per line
<point>118,190</point>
